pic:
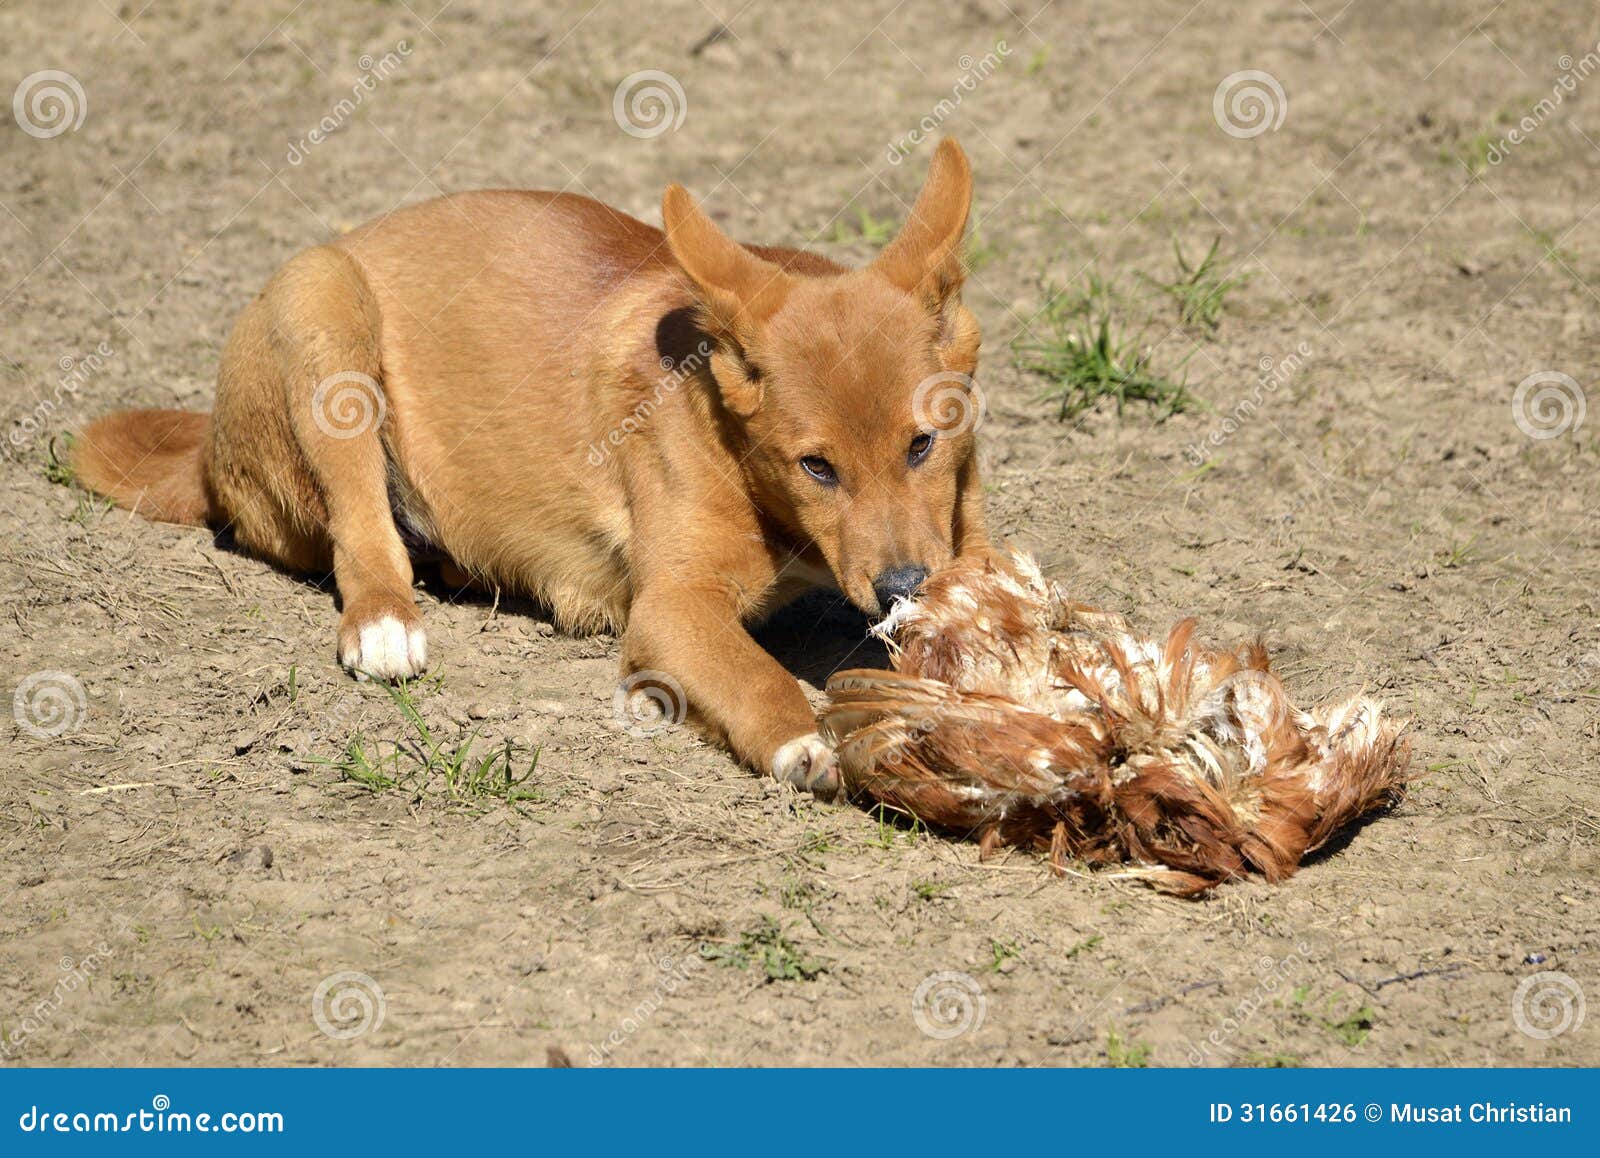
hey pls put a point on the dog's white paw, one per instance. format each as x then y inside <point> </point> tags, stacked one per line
<point>386,649</point>
<point>807,762</point>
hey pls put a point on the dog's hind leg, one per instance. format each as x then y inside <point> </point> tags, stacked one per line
<point>323,327</point>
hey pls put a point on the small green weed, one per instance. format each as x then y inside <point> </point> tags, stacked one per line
<point>768,948</point>
<point>866,228</point>
<point>1200,289</point>
<point>1085,357</point>
<point>424,763</point>
<point>1126,1055</point>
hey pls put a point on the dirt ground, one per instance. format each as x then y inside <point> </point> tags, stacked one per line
<point>181,879</point>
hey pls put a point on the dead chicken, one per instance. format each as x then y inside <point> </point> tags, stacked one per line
<point>1021,718</point>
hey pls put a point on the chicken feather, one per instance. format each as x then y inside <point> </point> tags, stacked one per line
<point>1019,717</point>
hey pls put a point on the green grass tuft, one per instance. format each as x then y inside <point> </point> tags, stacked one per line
<point>57,464</point>
<point>766,946</point>
<point>1353,1028</point>
<point>1001,952</point>
<point>1201,289</point>
<point>1082,353</point>
<point>425,764</point>
<point>1126,1055</point>
<point>867,227</point>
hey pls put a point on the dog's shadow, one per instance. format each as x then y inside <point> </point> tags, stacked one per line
<point>813,637</point>
<point>818,635</point>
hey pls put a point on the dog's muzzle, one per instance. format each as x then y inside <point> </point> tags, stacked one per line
<point>898,583</point>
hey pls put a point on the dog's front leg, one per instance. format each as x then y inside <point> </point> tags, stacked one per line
<point>695,634</point>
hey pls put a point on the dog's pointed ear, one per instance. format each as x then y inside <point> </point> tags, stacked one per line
<point>925,258</point>
<point>738,291</point>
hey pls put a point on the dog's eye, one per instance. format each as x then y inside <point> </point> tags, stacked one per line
<point>920,446</point>
<point>819,468</point>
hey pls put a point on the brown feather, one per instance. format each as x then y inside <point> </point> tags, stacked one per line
<point>1019,717</point>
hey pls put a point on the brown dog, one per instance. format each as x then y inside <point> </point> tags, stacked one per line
<point>668,435</point>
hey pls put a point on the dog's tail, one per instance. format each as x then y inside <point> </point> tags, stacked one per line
<point>152,462</point>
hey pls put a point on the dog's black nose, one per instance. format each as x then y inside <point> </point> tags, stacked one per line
<point>897,583</point>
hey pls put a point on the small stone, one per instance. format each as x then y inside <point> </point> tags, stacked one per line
<point>258,857</point>
<point>478,711</point>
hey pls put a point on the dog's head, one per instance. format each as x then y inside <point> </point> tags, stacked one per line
<point>849,392</point>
